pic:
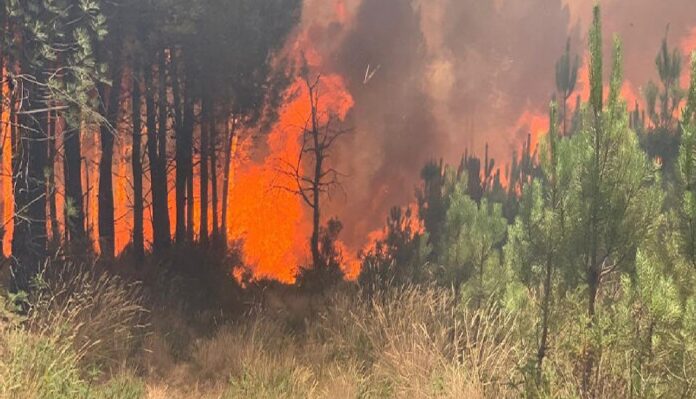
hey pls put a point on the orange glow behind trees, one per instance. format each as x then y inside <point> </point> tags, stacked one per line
<point>272,221</point>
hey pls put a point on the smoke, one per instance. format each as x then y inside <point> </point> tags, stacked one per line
<point>432,78</point>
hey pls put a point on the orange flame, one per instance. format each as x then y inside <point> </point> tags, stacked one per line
<point>264,211</point>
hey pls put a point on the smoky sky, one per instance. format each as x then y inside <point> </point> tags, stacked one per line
<point>453,75</point>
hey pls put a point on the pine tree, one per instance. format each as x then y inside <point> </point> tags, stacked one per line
<point>537,242</point>
<point>566,79</point>
<point>687,173</point>
<point>470,243</point>
<point>613,199</point>
<point>110,53</point>
<point>45,30</point>
<point>137,166</point>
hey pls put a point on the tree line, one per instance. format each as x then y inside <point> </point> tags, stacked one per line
<point>591,243</point>
<point>179,77</point>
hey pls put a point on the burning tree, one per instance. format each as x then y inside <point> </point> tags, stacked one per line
<point>310,172</point>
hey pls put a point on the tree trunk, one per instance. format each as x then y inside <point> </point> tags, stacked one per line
<point>106,186</point>
<point>72,176</point>
<point>138,236</point>
<point>189,186</point>
<point>230,137</point>
<point>158,185</point>
<point>163,202</point>
<point>213,176</point>
<point>29,181</point>
<point>545,311</point>
<point>180,153</point>
<point>52,188</point>
<point>88,226</point>
<point>590,353</point>
<point>203,165</point>
<point>316,191</point>
<point>187,169</point>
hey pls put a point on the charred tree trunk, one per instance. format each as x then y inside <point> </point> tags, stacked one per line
<point>72,177</point>
<point>316,180</point>
<point>29,181</point>
<point>158,179</point>
<point>151,126</point>
<point>107,132</point>
<point>317,140</point>
<point>187,158</point>
<point>136,162</point>
<point>229,140</point>
<point>316,216</point>
<point>203,165</point>
<point>161,184</point>
<point>189,187</point>
<point>213,177</point>
<point>180,154</point>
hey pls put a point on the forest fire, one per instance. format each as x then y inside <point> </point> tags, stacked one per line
<point>344,198</point>
<point>268,216</point>
<point>273,223</point>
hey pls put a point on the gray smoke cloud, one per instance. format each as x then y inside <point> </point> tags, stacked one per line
<point>444,76</point>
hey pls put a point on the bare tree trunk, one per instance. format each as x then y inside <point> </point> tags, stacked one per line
<point>163,202</point>
<point>138,236</point>
<point>213,176</point>
<point>187,173</point>
<point>230,137</point>
<point>180,152</point>
<point>316,186</point>
<point>205,126</point>
<point>106,186</point>
<point>72,178</point>
<point>29,240</point>
<point>160,218</point>
<point>189,188</point>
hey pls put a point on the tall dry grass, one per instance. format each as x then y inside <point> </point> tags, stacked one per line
<point>419,342</point>
<point>80,327</point>
<point>101,314</point>
<point>406,342</point>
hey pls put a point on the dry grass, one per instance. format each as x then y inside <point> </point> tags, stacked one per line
<point>414,342</point>
<point>410,342</point>
<point>85,337</point>
<point>417,342</point>
<point>100,314</point>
